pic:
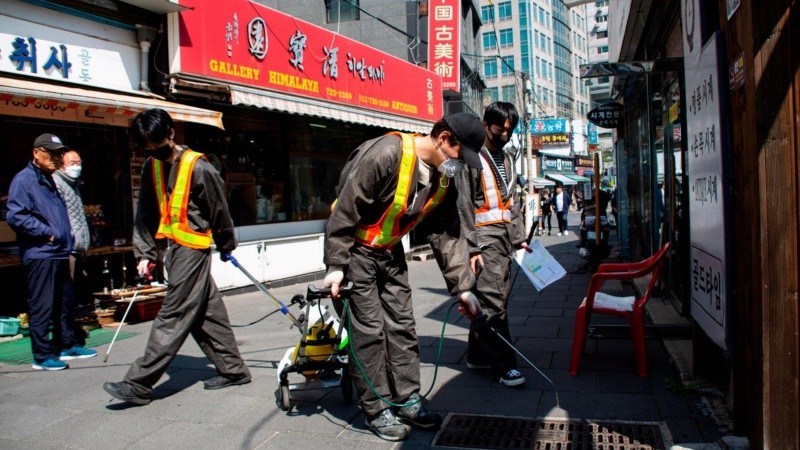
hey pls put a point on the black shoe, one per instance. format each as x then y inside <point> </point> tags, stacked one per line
<point>417,415</point>
<point>219,382</point>
<point>387,426</point>
<point>123,391</point>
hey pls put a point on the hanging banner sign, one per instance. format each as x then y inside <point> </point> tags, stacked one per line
<point>243,42</point>
<point>444,33</point>
<point>609,115</point>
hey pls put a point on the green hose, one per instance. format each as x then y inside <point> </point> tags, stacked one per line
<point>366,378</point>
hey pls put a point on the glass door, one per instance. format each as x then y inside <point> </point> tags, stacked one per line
<point>675,227</point>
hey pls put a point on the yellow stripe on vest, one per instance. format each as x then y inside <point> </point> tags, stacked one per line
<point>174,222</point>
<point>387,232</point>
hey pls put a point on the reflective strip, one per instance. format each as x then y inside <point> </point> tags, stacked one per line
<point>493,210</point>
<point>175,223</point>
<point>386,232</point>
<point>161,195</point>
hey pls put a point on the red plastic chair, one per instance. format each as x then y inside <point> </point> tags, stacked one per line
<point>631,308</point>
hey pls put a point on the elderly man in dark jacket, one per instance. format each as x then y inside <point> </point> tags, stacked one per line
<point>38,215</point>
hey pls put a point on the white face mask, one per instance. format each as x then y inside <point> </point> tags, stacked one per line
<point>450,167</point>
<point>73,171</point>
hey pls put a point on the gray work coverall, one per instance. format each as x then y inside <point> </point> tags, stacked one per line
<point>382,323</point>
<point>497,242</point>
<point>193,304</point>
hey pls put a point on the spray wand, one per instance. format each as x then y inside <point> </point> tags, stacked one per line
<point>483,318</point>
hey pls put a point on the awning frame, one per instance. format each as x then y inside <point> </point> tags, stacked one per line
<point>578,178</point>
<point>181,84</point>
<point>95,104</point>
<point>541,182</point>
<point>566,181</point>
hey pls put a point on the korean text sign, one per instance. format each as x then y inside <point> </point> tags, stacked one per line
<point>706,163</point>
<point>444,34</point>
<point>246,43</point>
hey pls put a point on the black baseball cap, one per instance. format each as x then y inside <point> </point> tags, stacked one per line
<point>468,129</point>
<point>49,142</point>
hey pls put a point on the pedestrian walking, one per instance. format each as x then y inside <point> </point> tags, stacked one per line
<point>547,213</point>
<point>560,204</point>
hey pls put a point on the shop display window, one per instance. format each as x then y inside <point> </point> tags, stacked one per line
<point>278,167</point>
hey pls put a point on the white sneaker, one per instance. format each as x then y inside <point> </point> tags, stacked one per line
<point>559,234</point>
<point>566,233</point>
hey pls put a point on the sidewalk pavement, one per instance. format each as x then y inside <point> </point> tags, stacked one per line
<point>69,409</point>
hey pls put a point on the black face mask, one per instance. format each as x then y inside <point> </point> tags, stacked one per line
<point>161,153</point>
<point>498,141</point>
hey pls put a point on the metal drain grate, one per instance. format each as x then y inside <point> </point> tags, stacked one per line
<point>493,432</point>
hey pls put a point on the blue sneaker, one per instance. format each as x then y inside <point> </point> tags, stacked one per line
<point>77,352</point>
<point>50,364</point>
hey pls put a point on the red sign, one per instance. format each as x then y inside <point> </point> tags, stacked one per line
<point>246,43</point>
<point>444,37</point>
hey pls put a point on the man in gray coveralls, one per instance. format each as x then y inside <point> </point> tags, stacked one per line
<point>388,185</point>
<point>500,230</point>
<point>181,203</point>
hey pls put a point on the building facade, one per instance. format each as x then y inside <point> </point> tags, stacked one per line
<point>296,101</point>
<point>401,29</point>
<point>708,156</point>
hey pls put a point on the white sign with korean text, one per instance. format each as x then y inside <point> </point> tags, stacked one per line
<point>706,152</point>
<point>33,50</point>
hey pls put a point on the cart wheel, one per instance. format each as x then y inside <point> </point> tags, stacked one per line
<point>286,402</point>
<point>347,386</point>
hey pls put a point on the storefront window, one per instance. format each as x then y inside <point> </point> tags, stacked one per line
<point>313,186</point>
<point>278,167</point>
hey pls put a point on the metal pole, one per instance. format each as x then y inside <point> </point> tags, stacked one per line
<point>122,322</point>
<point>596,164</point>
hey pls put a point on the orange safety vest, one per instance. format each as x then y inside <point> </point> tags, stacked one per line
<point>494,210</point>
<point>387,232</point>
<point>174,223</point>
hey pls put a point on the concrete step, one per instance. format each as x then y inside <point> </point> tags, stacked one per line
<point>422,256</point>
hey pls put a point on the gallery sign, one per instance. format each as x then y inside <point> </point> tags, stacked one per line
<point>609,115</point>
<point>243,42</point>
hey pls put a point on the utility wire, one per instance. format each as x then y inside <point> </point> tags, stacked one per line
<point>385,22</point>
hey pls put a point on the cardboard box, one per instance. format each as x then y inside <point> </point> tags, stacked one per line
<point>6,233</point>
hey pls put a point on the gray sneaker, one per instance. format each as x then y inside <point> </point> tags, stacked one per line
<point>417,415</point>
<point>387,426</point>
